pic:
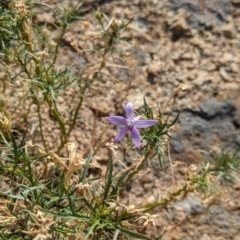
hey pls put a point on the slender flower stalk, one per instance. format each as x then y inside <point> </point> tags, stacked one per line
<point>130,124</point>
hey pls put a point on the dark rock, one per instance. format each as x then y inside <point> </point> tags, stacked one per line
<point>216,123</point>
<point>213,108</point>
<point>236,119</point>
<point>177,146</point>
<point>203,14</point>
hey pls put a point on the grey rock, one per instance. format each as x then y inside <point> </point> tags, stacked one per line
<point>213,108</point>
<point>203,14</point>
<point>216,122</point>
<point>236,119</point>
<point>180,210</point>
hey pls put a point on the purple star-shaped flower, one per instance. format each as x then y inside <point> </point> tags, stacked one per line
<point>131,124</point>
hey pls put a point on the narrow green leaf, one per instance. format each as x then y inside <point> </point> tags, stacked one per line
<point>65,216</point>
<point>3,237</point>
<point>91,229</point>
<point>86,166</point>
<point>109,179</point>
<point>115,237</point>
<point>130,233</point>
<point>119,182</point>
<point>15,149</point>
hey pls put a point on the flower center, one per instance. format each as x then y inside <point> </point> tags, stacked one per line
<point>130,124</point>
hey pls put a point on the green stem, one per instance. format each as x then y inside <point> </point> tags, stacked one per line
<point>175,195</point>
<point>73,123</point>
<point>136,170</point>
<point>58,43</point>
<point>87,85</point>
<point>57,116</point>
<point>60,120</point>
<point>41,128</point>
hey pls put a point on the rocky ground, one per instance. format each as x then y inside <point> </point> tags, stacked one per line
<point>194,44</point>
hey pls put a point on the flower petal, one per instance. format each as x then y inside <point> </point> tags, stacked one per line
<point>137,118</point>
<point>135,137</point>
<point>116,120</point>
<point>144,123</point>
<point>121,134</point>
<point>129,111</point>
